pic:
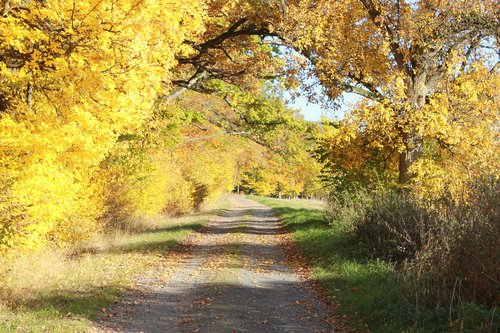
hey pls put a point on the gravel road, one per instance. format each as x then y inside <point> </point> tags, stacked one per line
<point>230,277</point>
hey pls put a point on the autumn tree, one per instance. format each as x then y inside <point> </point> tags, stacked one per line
<point>397,54</point>
<point>81,90</point>
<point>231,49</point>
<point>75,76</point>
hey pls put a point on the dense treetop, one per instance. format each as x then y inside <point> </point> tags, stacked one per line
<point>93,102</point>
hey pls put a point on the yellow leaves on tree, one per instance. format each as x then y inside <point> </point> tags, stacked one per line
<point>462,128</point>
<point>398,54</point>
<point>74,76</point>
<point>80,82</point>
<point>459,127</point>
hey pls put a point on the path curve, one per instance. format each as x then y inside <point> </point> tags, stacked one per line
<point>233,278</point>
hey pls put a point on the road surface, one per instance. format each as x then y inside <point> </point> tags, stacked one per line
<point>230,277</point>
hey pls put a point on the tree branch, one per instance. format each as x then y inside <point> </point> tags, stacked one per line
<point>377,18</point>
<point>199,75</point>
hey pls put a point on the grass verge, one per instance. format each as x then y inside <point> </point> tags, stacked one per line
<point>62,291</point>
<point>371,293</point>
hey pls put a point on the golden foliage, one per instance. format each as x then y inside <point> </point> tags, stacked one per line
<point>74,76</point>
<point>85,137</point>
<point>459,127</point>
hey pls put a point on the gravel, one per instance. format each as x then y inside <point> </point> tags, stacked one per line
<point>230,277</point>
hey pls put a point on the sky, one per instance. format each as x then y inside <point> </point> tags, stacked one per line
<point>314,111</point>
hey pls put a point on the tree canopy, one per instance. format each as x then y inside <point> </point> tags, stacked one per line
<point>93,102</point>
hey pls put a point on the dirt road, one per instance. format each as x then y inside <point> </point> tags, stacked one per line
<point>231,277</point>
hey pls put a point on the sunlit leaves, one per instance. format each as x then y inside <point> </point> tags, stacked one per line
<point>75,75</point>
<point>399,55</point>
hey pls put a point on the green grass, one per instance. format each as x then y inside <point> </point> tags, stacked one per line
<point>369,292</point>
<point>52,291</point>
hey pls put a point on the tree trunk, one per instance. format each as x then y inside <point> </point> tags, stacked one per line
<point>404,175</point>
<point>413,141</point>
<point>413,151</point>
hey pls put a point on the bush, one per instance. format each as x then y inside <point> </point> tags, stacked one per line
<point>346,208</point>
<point>475,250</point>
<point>450,249</point>
<point>395,227</point>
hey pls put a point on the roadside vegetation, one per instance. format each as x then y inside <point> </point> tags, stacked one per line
<point>374,292</point>
<point>61,290</point>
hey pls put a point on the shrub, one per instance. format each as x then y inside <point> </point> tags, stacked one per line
<point>449,248</point>
<point>475,251</point>
<point>396,227</point>
<point>346,208</point>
